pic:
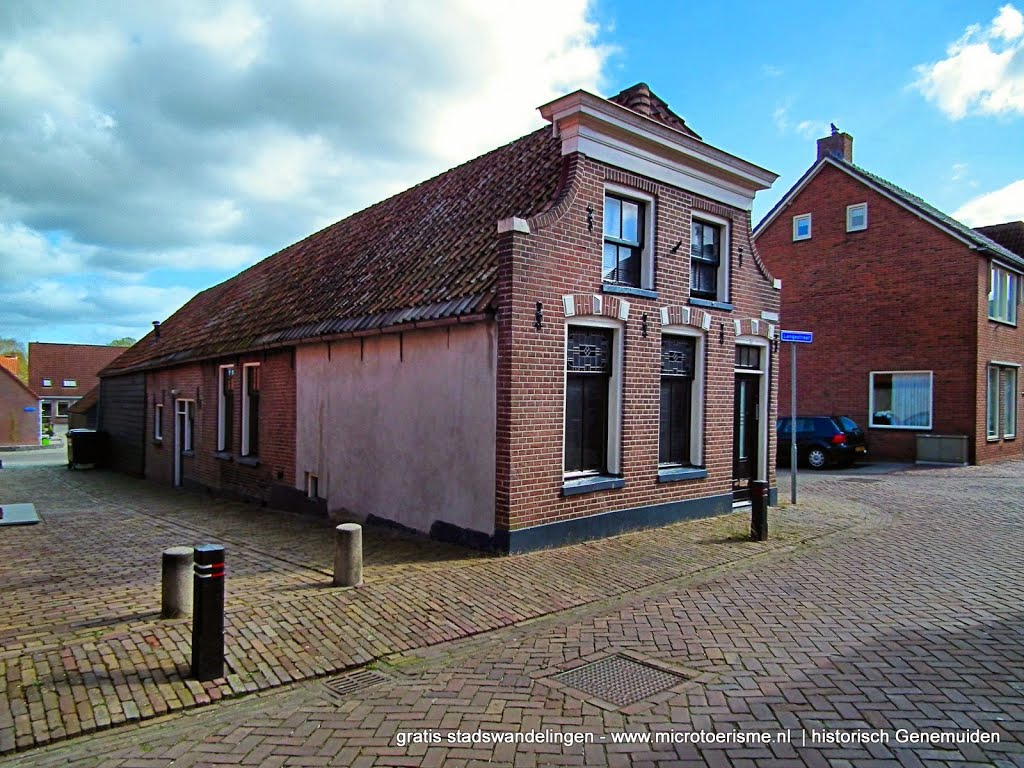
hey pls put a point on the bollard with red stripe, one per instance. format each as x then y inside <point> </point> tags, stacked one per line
<point>208,612</point>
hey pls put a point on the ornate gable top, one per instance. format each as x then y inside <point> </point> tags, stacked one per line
<point>640,99</point>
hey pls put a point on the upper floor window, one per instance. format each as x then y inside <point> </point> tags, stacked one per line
<point>802,227</point>
<point>856,217</point>
<point>708,260</point>
<point>47,382</point>
<point>70,382</point>
<point>225,406</point>
<point>1003,293</point>
<point>623,241</point>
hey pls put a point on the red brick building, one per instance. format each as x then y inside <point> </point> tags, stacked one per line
<point>19,411</point>
<point>63,373</point>
<point>565,338</point>
<point>914,314</point>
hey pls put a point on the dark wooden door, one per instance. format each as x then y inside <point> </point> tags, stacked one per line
<point>745,431</point>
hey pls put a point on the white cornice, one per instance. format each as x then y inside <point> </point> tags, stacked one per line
<point>625,139</point>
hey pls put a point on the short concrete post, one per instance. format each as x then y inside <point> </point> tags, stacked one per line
<point>176,583</point>
<point>348,555</point>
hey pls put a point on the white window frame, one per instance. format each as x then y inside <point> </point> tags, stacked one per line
<point>614,447</point>
<point>246,372</point>
<point>992,403</point>
<point>851,211</point>
<point>871,401</point>
<point>221,415</point>
<point>186,408</point>
<point>696,393</point>
<point>1009,403</point>
<point>647,252</point>
<point>797,221</point>
<point>722,292</point>
<point>158,422</point>
<point>47,382</point>
<point>1002,305</point>
<point>69,383</point>
<point>312,485</point>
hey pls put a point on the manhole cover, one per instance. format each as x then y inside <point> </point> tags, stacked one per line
<point>620,680</point>
<point>345,685</point>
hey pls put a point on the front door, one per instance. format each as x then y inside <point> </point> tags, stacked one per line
<point>184,414</point>
<point>745,431</point>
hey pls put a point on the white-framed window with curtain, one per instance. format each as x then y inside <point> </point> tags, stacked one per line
<point>901,399</point>
<point>992,404</point>
<point>1009,402</point>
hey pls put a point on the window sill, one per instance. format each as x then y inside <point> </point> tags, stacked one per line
<point>723,305</point>
<point>189,454</point>
<point>1001,321</point>
<point>899,426</point>
<point>249,461</point>
<point>223,456</point>
<point>675,474</point>
<point>627,290</point>
<point>591,484</point>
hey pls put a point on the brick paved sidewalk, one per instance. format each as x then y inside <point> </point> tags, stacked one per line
<point>915,625</point>
<point>83,649</point>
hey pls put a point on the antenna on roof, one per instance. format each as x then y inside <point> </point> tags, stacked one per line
<point>156,328</point>
<point>834,129</point>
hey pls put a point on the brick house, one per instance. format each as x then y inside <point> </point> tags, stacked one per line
<point>567,337</point>
<point>63,373</point>
<point>19,411</point>
<point>914,314</point>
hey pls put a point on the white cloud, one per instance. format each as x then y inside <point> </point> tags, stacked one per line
<point>959,171</point>
<point>983,72</point>
<point>1006,204</point>
<point>805,129</point>
<point>143,138</point>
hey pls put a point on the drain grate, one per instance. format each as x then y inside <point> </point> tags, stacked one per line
<point>345,685</point>
<point>620,680</point>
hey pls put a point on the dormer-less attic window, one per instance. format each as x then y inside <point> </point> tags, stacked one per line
<point>70,382</point>
<point>47,382</point>
<point>802,227</point>
<point>856,217</point>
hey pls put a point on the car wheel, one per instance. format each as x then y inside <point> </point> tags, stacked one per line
<point>816,458</point>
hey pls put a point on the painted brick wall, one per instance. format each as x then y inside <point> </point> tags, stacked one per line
<point>561,256</point>
<point>226,472</point>
<point>901,295</point>
<point>17,426</point>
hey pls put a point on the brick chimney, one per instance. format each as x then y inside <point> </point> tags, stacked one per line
<point>838,145</point>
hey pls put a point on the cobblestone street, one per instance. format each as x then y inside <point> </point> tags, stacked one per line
<point>887,605</point>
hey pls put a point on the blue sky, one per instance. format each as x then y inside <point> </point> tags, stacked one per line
<point>149,151</point>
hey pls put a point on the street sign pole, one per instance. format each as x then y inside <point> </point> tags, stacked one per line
<point>793,338</point>
<point>792,425</point>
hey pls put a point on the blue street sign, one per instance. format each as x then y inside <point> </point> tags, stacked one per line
<point>797,337</point>
<point>29,409</point>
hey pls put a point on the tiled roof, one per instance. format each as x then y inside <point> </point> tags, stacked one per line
<point>425,254</point>
<point>58,362</point>
<point>9,363</point>
<point>912,201</point>
<point>639,98</point>
<point>88,400</point>
<point>1009,235</point>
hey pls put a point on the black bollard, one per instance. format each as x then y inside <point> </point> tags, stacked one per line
<point>208,612</point>
<point>759,510</point>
